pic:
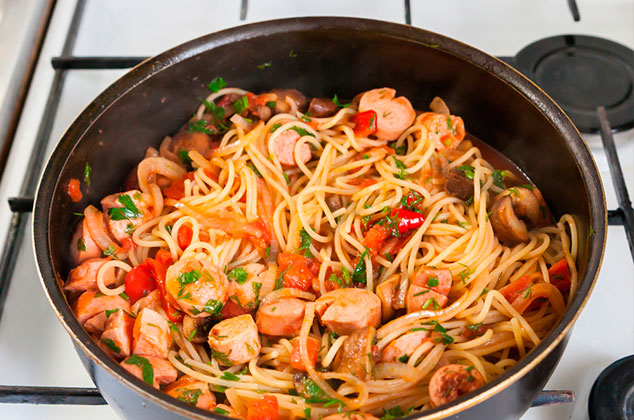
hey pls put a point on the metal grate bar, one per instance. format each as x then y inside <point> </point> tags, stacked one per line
<point>94,63</point>
<point>408,12</point>
<point>50,395</point>
<point>572,4</point>
<point>617,178</point>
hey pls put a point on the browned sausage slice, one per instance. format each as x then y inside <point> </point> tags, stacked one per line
<point>84,276</point>
<point>193,392</point>
<point>282,317</point>
<point>394,115</point>
<point>122,222</point>
<point>151,334</point>
<point>400,349</point>
<point>284,147</point>
<point>347,310</point>
<point>117,336</point>
<point>452,381</point>
<point>237,338</point>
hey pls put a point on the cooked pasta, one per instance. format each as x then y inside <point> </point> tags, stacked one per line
<point>356,257</point>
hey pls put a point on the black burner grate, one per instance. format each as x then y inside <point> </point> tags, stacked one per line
<point>21,206</point>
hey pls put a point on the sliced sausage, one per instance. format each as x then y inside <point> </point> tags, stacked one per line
<point>356,356</point>
<point>322,107</point>
<point>117,336</point>
<point>445,131</point>
<point>96,324</point>
<point>394,115</point>
<point>151,301</point>
<point>84,276</point>
<point>197,286</point>
<point>400,349</point>
<point>246,292</point>
<point>452,381</point>
<point>350,416</point>
<point>151,334</point>
<point>347,310</point>
<point>285,145</point>
<point>192,391</point>
<point>82,246</point>
<point>458,185</point>
<point>90,303</point>
<point>429,290</point>
<point>434,279</point>
<point>285,95</point>
<point>122,223</point>
<point>237,338</point>
<point>282,317</point>
<point>162,370</point>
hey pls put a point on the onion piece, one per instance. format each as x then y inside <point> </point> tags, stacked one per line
<point>286,292</point>
<point>165,151</point>
<point>157,165</point>
<point>97,230</point>
<point>241,122</point>
<point>396,370</point>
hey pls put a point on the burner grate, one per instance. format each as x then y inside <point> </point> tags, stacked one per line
<point>22,205</point>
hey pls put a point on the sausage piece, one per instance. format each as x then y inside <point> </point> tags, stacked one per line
<point>122,223</point>
<point>401,349</point>
<point>452,381</point>
<point>282,317</point>
<point>347,310</point>
<point>429,290</point>
<point>117,336</point>
<point>394,115</point>
<point>322,107</point>
<point>197,286</point>
<point>246,292</point>
<point>237,338</point>
<point>458,185</point>
<point>163,371</point>
<point>197,141</point>
<point>151,334</point>
<point>192,391</point>
<point>356,356</point>
<point>89,305</point>
<point>444,131</point>
<point>350,416</point>
<point>84,276</point>
<point>284,147</point>
<point>82,246</point>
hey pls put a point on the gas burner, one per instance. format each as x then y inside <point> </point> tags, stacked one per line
<point>581,73</point>
<point>612,395</point>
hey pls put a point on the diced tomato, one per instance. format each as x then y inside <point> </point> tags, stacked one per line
<point>560,276</point>
<point>177,189</point>
<point>162,260</point>
<point>260,235</point>
<point>473,330</point>
<point>312,347</point>
<point>185,234</point>
<point>231,309</point>
<point>364,123</point>
<point>299,270</point>
<point>374,238</point>
<point>73,190</point>
<point>264,408</point>
<point>139,281</point>
<point>513,290</point>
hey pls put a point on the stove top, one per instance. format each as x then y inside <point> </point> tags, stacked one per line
<point>124,29</point>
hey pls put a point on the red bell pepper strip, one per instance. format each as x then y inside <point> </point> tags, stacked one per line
<point>264,408</point>
<point>407,219</point>
<point>159,264</point>
<point>364,123</point>
<point>139,281</point>
<point>559,275</point>
<point>185,234</point>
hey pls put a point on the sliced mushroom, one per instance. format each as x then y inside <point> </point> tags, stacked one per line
<point>458,185</point>
<point>511,209</point>
<point>283,95</point>
<point>334,202</point>
<point>386,292</point>
<point>322,107</point>
<point>439,106</point>
<point>355,356</point>
<point>201,325</point>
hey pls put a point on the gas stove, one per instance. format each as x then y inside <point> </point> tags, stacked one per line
<point>91,43</point>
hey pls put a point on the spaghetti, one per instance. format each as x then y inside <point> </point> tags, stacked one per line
<point>360,258</point>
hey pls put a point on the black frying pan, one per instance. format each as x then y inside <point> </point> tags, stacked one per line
<point>333,55</point>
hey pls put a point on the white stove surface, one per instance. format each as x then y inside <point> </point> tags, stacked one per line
<point>34,348</point>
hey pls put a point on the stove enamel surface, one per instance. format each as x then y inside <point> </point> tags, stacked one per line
<point>35,349</point>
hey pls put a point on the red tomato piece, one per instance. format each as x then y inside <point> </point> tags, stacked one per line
<point>364,123</point>
<point>177,189</point>
<point>185,234</point>
<point>312,347</point>
<point>512,290</point>
<point>299,270</point>
<point>231,309</point>
<point>139,281</point>
<point>73,190</point>
<point>162,260</point>
<point>374,238</point>
<point>560,276</point>
<point>264,408</point>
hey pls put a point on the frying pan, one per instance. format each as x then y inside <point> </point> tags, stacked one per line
<point>330,55</point>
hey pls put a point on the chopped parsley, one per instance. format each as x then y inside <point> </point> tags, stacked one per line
<point>110,312</point>
<point>271,104</point>
<point>359,272</point>
<point>229,376</point>
<point>335,99</point>
<point>305,241</point>
<point>400,150</point>
<point>411,201</point>
<point>255,170</point>
<point>81,244</point>
<point>301,131</point>
<point>110,251</point>
<point>286,178</point>
<point>218,409</point>
<point>275,126</point>
<point>239,275</point>
<point>217,84</point>
<point>401,167</point>
<point>292,54</point>
<point>498,178</point>
<point>432,282</point>
<point>217,111</point>
<point>199,126</point>
<point>279,282</point>
<point>173,326</point>
<point>189,396</point>
<point>87,171</point>
<point>468,170</point>
<point>404,358</point>
<point>147,371</point>
<point>112,345</point>
<point>241,104</point>
<point>183,155</point>
<point>213,307</point>
<point>128,211</point>
<point>392,413</point>
<point>264,65</point>
<point>465,274</point>
<point>432,302</point>
<point>221,357</point>
<point>192,335</point>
